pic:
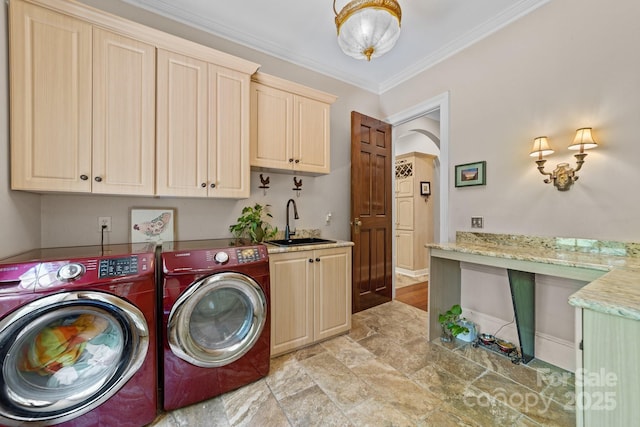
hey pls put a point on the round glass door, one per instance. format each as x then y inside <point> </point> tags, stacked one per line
<point>217,319</point>
<point>65,354</point>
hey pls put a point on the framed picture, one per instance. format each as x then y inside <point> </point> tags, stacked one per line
<point>471,174</point>
<point>425,188</point>
<point>152,225</point>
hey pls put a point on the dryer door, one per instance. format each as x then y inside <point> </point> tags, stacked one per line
<point>65,354</point>
<point>217,319</point>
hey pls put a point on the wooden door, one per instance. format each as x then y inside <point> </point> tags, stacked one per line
<point>332,292</point>
<point>124,115</point>
<point>50,59</point>
<point>181,126</point>
<point>371,211</point>
<point>228,133</point>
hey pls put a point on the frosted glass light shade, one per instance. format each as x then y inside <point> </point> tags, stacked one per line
<point>368,28</point>
<point>583,140</point>
<point>540,147</point>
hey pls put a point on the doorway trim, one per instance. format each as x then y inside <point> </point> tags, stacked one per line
<point>438,102</point>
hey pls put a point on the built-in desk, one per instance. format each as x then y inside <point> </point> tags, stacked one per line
<point>608,307</point>
<point>523,257</point>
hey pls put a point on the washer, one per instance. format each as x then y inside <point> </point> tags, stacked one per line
<point>216,323</point>
<point>78,337</point>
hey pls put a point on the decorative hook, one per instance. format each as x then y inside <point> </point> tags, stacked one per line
<point>265,184</point>
<point>298,184</point>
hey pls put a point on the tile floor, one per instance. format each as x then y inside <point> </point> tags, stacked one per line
<point>385,373</point>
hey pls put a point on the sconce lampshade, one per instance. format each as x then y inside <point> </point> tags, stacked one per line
<point>368,28</point>
<point>583,140</point>
<point>540,147</point>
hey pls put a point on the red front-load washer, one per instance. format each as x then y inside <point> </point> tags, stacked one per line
<point>78,337</point>
<point>216,321</point>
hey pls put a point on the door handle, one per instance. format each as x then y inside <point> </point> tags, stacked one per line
<point>357,224</point>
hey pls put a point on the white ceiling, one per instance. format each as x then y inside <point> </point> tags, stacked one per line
<point>303,32</point>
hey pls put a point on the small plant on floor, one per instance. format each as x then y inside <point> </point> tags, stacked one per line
<point>252,225</point>
<point>449,322</point>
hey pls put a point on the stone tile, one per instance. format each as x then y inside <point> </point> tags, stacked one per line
<point>520,373</point>
<point>312,407</point>
<point>340,384</point>
<point>560,384</point>
<point>388,384</point>
<point>253,405</point>
<point>347,351</point>
<point>361,328</point>
<point>378,412</point>
<point>538,408</point>
<point>164,420</point>
<point>209,412</point>
<point>287,377</point>
<point>407,358</point>
<point>308,352</point>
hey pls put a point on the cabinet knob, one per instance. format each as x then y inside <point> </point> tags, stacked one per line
<point>213,185</point>
<point>203,185</point>
<point>84,177</point>
<point>311,260</point>
<point>98,179</point>
<point>290,160</point>
<point>317,259</point>
<point>297,161</point>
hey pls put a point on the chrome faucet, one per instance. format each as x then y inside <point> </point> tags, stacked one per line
<point>287,232</point>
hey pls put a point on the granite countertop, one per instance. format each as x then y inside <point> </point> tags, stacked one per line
<point>273,249</point>
<point>616,292</point>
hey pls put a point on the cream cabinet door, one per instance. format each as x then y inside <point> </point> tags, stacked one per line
<point>404,187</point>
<point>312,137</point>
<point>404,249</point>
<point>332,292</point>
<point>50,59</point>
<point>228,161</point>
<point>182,119</point>
<point>124,89</point>
<point>404,213</point>
<point>291,278</point>
<point>271,127</point>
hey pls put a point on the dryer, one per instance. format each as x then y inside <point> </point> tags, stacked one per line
<point>216,322</point>
<point>78,337</point>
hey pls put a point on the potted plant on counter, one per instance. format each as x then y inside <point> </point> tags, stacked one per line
<point>252,225</point>
<point>449,321</point>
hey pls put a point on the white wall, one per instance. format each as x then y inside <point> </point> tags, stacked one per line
<point>566,65</point>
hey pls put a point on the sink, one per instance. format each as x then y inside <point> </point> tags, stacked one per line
<point>300,242</point>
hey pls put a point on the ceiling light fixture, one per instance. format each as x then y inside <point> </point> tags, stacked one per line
<point>563,176</point>
<point>368,28</point>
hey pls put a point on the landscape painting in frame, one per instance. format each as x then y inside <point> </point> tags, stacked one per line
<point>471,174</point>
<point>152,225</point>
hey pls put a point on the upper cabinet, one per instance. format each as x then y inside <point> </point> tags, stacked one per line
<point>290,126</point>
<point>203,128</point>
<point>85,117</point>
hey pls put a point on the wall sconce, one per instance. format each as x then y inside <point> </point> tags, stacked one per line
<point>563,176</point>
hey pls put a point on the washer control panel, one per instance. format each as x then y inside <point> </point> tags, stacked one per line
<point>246,255</point>
<point>221,257</point>
<point>116,267</point>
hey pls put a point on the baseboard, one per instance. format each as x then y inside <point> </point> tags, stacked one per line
<point>550,349</point>
<point>412,273</point>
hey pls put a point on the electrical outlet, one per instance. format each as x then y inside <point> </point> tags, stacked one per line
<point>104,221</point>
<point>476,222</point>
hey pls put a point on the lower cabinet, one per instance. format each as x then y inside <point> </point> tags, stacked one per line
<point>608,373</point>
<point>310,297</point>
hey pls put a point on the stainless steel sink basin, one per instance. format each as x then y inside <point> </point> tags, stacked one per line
<point>300,242</point>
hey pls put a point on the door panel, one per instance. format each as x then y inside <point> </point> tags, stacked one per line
<point>371,211</point>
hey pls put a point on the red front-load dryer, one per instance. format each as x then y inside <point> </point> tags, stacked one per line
<point>78,337</point>
<point>216,321</point>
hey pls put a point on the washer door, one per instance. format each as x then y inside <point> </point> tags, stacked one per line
<point>65,354</point>
<point>217,319</point>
